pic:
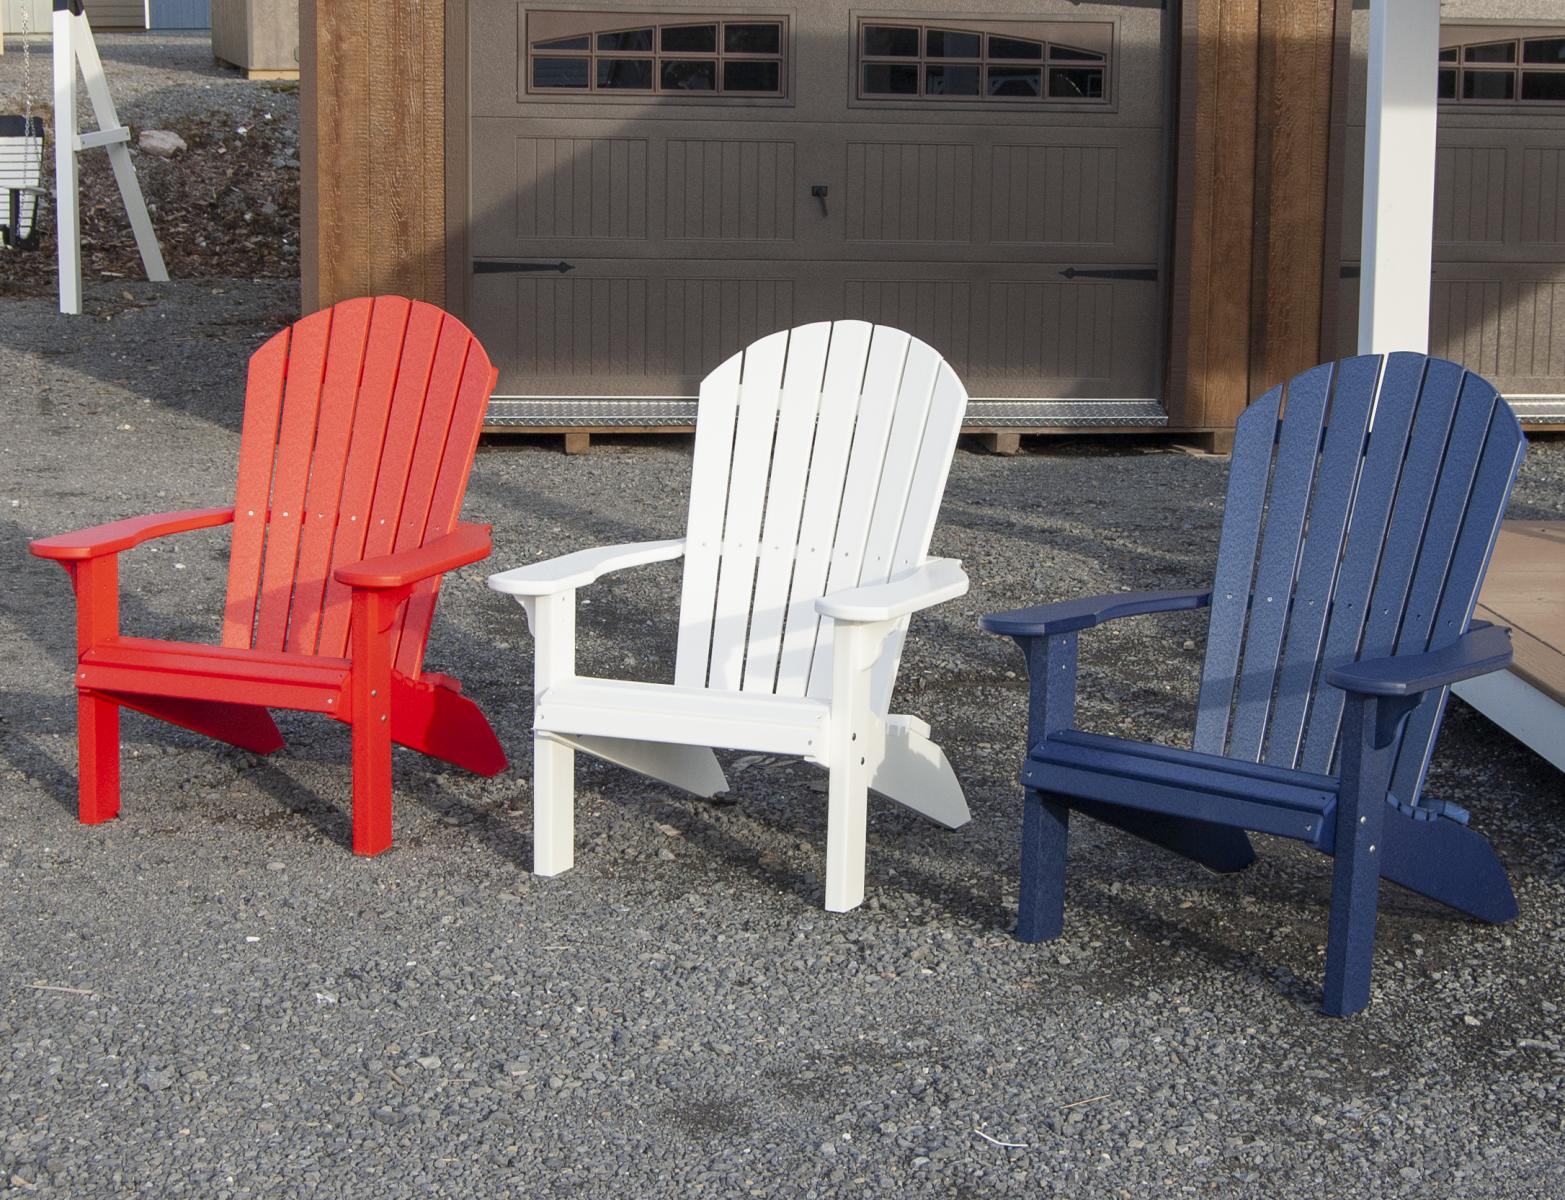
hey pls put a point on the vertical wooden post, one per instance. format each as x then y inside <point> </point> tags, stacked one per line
<point>1399,175</point>
<point>373,150</point>
<point>1214,237</point>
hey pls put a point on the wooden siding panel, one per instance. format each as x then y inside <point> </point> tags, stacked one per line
<point>374,157</point>
<point>1215,218</point>
<point>1297,69</point>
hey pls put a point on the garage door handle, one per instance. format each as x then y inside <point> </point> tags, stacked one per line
<point>511,266</point>
<point>1111,273</point>
<point>819,192</point>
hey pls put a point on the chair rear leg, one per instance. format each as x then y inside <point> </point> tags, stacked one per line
<point>433,717</point>
<point>554,806</point>
<point>98,758</point>
<point>1045,835</point>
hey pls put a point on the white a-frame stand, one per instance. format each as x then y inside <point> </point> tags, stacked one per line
<point>73,45</point>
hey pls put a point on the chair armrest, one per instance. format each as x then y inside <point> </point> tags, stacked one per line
<point>122,535</point>
<point>1070,615</point>
<point>583,567</point>
<point>935,581</point>
<point>1482,649</point>
<point>464,544</point>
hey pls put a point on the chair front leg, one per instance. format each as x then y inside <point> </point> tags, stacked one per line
<point>97,586</point>
<point>857,745</point>
<point>1370,731</point>
<point>552,619</point>
<point>369,685</point>
<point>1051,706</point>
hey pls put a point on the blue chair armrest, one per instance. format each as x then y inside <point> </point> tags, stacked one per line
<point>1068,616</point>
<point>1482,649</point>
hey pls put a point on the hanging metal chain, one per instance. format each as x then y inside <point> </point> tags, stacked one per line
<point>27,72</point>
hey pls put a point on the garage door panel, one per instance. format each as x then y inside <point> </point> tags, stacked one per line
<point>1020,335</point>
<point>1502,323</point>
<point>727,189</point>
<point>908,192</point>
<point>1543,196</point>
<point>612,325</point>
<point>623,245</point>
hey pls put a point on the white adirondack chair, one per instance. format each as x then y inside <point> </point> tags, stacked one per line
<point>821,455</point>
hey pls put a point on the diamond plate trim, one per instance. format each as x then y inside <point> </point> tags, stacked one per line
<point>521,412</point>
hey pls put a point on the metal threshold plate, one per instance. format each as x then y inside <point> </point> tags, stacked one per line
<point>650,412</point>
<point>1538,410</point>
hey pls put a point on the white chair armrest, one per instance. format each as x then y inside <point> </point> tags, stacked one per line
<point>937,580</point>
<point>577,570</point>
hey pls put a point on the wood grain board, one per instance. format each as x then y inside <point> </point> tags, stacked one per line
<point>1525,589</point>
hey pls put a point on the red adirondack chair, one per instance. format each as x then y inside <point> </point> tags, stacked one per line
<point>359,432</point>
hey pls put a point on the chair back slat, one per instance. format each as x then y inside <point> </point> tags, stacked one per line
<point>755,432</point>
<point>1391,425</point>
<point>322,503</point>
<point>718,410</point>
<point>1288,500</point>
<point>360,428</point>
<point>824,474</point>
<point>1504,447</point>
<point>448,439</point>
<point>918,507</point>
<point>816,453</point>
<point>1342,453</point>
<point>1249,471</point>
<point>879,400</point>
<point>402,338</point>
<point>290,477</point>
<point>1375,518</point>
<point>797,418</point>
<point>268,375</point>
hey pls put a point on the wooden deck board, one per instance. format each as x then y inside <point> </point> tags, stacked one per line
<point>1525,589</point>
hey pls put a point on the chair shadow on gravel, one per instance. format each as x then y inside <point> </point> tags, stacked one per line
<point>22,751</point>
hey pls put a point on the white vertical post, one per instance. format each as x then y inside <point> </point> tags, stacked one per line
<point>1399,175</point>
<point>67,192</point>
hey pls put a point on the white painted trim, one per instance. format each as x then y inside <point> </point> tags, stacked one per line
<point>1399,176</point>
<point>1534,719</point>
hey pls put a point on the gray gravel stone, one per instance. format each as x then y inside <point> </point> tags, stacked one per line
<point>436,1021</point>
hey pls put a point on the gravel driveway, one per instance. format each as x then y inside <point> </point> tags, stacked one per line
<point>212,997</point>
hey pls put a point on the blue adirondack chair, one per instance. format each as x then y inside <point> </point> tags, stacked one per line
<point>1363,503</point>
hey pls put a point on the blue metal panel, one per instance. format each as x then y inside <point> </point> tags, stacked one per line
<point>179,14</point>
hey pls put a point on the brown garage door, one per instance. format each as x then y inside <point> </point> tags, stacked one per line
<point>649,191</point>
<point>1498,296</point>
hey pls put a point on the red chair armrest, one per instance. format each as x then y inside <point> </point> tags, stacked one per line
<point>464,544</point>
<point>122,535</point>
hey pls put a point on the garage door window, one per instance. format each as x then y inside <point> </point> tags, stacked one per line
<point>1512,70</point>
<point>682,57</point>
<point>913,62</point>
